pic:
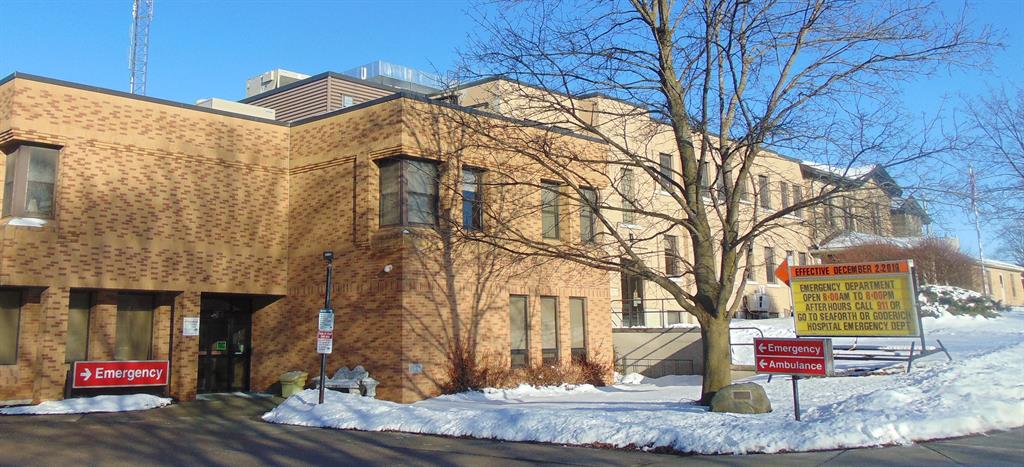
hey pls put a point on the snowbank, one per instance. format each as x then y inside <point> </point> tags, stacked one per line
<point>979,391</point>
<point>90,404</point>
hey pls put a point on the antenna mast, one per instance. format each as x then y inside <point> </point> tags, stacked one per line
<point>142,16</point>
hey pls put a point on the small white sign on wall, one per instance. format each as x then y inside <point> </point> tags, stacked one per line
<point>190,326</point>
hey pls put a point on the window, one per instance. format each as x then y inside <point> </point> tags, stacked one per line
<point>518,331</point>
<point>798,197</point>
<point>790,257</point>
<point>667,179</point>
<point>743,189</point>
<point>549,344</point>
<point>784,191</point>
<point>134,327</point>
<point>751,273</point>
<point>78,327</point>
<point>10,317</point>
<point>472,199</point>
<point>408,192</point>
<point>549,209</point>
<point>578,328</point>
<point>671,256</point>
<point>29,182</point>
<point>803,259</point>
<point>765,194</point>
<point>769,265</point>
<point>848,221</point>
<point>626,190</point>
<point>705,179</point>
<point>876,219</point>
<point>346,101</point>
<point>587,215</point>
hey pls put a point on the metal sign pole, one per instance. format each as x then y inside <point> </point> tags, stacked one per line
<point>329,256</point>
<point>796,399</point>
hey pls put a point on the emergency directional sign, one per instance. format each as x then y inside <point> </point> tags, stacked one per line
<point>801,357</point>
<point>120,374</point>
<point>860,299</point>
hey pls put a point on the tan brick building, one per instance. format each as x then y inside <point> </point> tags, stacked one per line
<point>123,215</point>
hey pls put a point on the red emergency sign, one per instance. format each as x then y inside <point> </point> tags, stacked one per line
<point>120,374</point>
<point>801,357</point>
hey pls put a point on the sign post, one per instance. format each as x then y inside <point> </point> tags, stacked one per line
<point>325,326</point>
<point>796,357</point>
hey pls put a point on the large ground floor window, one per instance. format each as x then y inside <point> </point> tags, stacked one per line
<point>134,327</point>
<point>10,318</point>
<point>578,328</point>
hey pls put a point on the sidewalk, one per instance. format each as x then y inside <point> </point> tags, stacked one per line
<point>226,430</point>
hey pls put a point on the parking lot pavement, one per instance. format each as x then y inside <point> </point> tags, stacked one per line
<point>226,430</point>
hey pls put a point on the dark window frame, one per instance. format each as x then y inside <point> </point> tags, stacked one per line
<point>666,172</point>
<point>769,265</point>
<point>765,194</point>
<point>476,204</point>
<point>88,322</point>
<point>554,190</point>
<point>798,197</point>
<point>671,247</point>
<point>627,191</point>
<point>15,200</point>
<point>557,349</point>
<point>525,352</point>
<point>17,326</point>
<point>404,192</point>
<point>588,214</point>
<point>578,354</point>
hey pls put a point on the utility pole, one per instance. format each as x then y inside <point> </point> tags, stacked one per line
<point>977,226</point>
<point>138,59</point>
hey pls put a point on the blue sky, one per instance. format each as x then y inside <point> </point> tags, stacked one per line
<point>205,49</point>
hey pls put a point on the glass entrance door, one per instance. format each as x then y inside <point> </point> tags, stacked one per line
<point>225,329</point>
<point>632,298</point>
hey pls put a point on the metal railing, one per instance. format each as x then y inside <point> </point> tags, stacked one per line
<point>654,367</point>
<point>646,313</point>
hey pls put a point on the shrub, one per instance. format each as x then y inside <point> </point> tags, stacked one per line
<point>938,300</point>
<point>475,376</point>
<point>936,261</point>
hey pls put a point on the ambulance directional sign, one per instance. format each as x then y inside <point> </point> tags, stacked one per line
<point>801,357</point>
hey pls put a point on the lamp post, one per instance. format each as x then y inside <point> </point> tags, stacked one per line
<point>329,257</point>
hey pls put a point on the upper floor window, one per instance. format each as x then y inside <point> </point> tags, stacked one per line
<point>408,192</point>
<point>472,199</point>
<point>588,206</point>
<point>549,209</point>
<point>626,190</point>
<point>769,265</point>
<point>705,179</point>
<point>784,191</point>
<point>744,190</point>
<point>798,197</point>
<point>29,182</point>
<point>765,193</point>
<point>667,180</point>
<point>671,256</point>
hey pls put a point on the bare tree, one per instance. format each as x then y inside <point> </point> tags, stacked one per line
<point>1011,243</point>
<point>716,84</point>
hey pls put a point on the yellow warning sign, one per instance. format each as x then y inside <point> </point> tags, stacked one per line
<point>866,305</point>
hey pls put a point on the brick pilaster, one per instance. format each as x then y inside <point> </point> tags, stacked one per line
<point>184,349</point>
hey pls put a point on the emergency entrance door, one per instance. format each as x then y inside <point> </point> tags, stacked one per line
<point>225,337</point>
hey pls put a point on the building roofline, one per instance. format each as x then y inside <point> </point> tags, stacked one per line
<point>396,95</point>
<point>152,100</point>
<point>318,77</point>
<point>404,94</point>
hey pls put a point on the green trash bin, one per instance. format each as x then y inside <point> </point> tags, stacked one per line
<point>292,382</point>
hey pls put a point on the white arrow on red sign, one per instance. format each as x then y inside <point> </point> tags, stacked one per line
<point>86,375</point>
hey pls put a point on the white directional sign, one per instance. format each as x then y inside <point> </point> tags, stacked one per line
<point>325,332</point>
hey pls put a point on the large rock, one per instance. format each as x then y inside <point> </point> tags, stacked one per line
<point>741,398</point>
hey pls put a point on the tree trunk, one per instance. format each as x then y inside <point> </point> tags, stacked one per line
<point>717,357</point>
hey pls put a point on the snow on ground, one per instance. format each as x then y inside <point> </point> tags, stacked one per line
<point>90,404</point>
<point>981,390</point>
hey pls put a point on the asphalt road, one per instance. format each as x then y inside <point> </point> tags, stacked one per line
<point>227,431</point>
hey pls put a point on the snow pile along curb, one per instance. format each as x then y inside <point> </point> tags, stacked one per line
<point>978,392</point>
<point>90,405</point>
